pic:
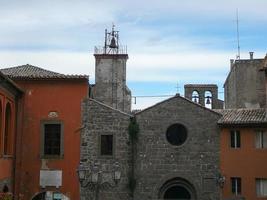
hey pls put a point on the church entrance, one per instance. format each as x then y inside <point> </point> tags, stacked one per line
<point>177,189</point>
<point>177,192</point>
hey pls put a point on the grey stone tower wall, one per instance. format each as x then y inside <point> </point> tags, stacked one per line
<point>197,160</point>
<point>100,119</point>
<point>245,85</point>
<point>201,89</point>
<point>110,81</point>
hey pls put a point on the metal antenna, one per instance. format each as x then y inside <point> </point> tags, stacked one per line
<point>177,87</point>
<point>237,31</point>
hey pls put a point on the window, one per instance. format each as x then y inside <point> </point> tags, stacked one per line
<point>236,185</point>
<point>176,134</point>
<point>235,139</point>
<point>261,140</point>
<point>8,131</point>
<point>106,145</point>
<point>261,187</point>
<point>52,139</point>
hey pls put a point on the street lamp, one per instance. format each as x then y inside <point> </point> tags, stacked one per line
<point>220,180</point>
<point>92,177</point>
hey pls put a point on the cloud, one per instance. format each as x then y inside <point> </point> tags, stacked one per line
<point>63,62</point>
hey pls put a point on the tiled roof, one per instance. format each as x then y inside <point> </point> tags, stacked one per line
<point>32,72</point>
<point>12,83</point>
<point>242,116</point>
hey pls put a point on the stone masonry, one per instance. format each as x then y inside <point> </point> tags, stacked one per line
<point>110,81</point>
<point>197,160</point>
<point>157,164</point>
<point>201,89</point>
<point>102,119</point>
<point>245,85</point>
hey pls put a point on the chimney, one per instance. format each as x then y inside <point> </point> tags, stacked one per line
<point>251,55</point>
<point>231,63</point>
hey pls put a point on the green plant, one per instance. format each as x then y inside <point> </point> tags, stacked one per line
<point>132,184</point>
<point>133,130</point>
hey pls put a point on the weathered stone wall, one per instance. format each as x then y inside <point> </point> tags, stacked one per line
<point>245,85</point>
<point>196,161</point>
<point>110,81</point>
<point>101,119</point>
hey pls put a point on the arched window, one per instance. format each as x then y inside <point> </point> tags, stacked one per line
<point>8,134</point>
<point>195,96</point>
<point>1,127</point>
<point>208,99</point>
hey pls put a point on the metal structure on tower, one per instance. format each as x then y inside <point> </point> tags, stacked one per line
<point>111,45</point>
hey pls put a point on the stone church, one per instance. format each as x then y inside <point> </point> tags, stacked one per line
<point>167,151</point>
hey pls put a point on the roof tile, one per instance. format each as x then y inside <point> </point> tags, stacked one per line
<point>32,72</point>
<point>242,116</point>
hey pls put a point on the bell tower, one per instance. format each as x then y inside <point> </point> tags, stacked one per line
<point>110,73</point>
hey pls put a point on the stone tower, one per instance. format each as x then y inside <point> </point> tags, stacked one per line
<point>110,73</point>
<point>201,93</point>
<point>245,86</point>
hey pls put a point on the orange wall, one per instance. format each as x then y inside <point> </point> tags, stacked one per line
<point>41,97</point>
<point>247,162</point>
<point>6,161</point>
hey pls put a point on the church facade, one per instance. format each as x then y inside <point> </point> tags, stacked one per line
<point>167,151</point>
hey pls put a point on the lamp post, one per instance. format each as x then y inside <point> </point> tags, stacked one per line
<point>92,177</point>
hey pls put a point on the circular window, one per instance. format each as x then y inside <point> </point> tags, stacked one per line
<point>176,134</point>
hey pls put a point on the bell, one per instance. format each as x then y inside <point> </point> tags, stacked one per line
<point>208,100</point>
<point>113,43</point>
<point>195,99</point>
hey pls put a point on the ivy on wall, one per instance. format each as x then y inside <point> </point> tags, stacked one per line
<point>133,130</point>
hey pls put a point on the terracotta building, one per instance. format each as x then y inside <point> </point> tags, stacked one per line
<point>243,153</point>
<point>48,141</point>
<point>9,100</point>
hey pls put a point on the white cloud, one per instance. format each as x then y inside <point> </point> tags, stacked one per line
<point>63,62</point>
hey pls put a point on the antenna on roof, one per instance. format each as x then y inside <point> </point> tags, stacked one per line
<point>237,32</point>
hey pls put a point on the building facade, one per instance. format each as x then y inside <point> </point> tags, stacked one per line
<point>10,95</point>
<point>243,153</point>
<point>171,157</point>
<point>47,150</point>
<point>245,84</point>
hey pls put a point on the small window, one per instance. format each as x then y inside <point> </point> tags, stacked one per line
<point>235,139</point>
<point>106,146</point>
<point>236,185</point>
<point>52,144</point>
<point>261,140</point>
<point>176,134</point>
<point>261,187</point>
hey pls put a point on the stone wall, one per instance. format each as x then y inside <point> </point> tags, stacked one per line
<point>201,89</point>
<point>110,81</point>
<point>101,119</point>
<point>155,161</point>
<point>245,85</point>
<point>196,161</point>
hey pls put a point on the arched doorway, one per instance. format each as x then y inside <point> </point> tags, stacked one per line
<point>177,192</point>
<point>178,189</point>
<point>50,195</point>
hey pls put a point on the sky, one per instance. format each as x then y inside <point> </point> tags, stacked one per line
<point>170,43</point>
